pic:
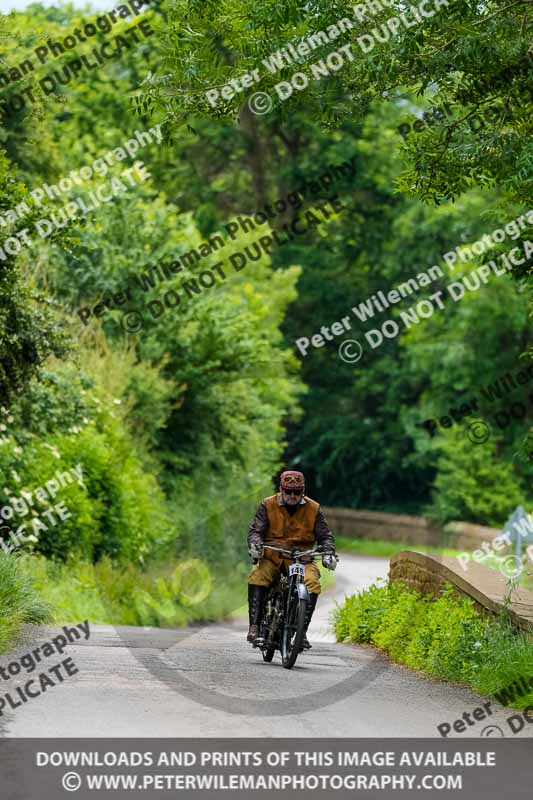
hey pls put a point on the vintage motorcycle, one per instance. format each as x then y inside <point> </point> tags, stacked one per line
<point>283,621</point>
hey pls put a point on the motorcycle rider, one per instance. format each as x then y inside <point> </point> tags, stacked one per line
<point>288,520</point>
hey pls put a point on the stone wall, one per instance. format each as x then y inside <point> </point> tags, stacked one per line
<point>406,529</point>
<point>429,574</point>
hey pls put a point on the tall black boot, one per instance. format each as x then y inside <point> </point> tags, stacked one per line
<point>256,602</point>
<point>311,605</point>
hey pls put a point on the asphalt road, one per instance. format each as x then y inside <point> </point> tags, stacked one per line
<point>207,682</point>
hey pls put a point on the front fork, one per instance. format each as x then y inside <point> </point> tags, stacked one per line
<point>297,587</point>
<point>303,591</point>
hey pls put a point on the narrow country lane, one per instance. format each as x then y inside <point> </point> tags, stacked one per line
<point>207,682</point>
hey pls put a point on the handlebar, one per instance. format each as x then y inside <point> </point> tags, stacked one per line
<point>300,553</point>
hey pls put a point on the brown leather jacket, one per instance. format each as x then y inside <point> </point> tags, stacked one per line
<point>275,525</point>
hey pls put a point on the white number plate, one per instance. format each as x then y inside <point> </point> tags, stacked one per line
<point>297,569</point>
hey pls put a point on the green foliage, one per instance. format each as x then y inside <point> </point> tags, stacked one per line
<point>181,427</point>
<point>362,614</point>
<point>472,482</point>
<point>444,637</point>
<point>189,406</point>
<point>172,594</point>
<point>29,330</point>
<point>361,438</point>
<point>439,59</point>
<point>374,547</point>
<point>20,602</point>
<point>120,510</point>
<point>210,386</point>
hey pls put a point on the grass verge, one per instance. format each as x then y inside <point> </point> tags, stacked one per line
<point>165,595</point>
<point>383,549</point>
<point>20,602</point>
<point>444,637</point>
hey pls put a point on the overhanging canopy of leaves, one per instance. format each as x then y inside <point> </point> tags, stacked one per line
<point>468,58</point>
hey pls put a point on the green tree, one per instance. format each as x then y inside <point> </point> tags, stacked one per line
<point>207,45</point>
<point>29,329</point>
<point>473,484</point>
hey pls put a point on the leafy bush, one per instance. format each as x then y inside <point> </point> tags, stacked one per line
<point>120,510</point>
<point>29,330</point>
<point>445,637</point>
<point>362,614</point>
<point>473,484</point>
<point>214,520</point>
<point>19,602</point>
<point>174,593</point>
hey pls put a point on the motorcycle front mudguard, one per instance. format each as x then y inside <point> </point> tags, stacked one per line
<point>303,592</point>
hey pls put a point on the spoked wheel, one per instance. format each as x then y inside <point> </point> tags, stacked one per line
<point>293,632</point>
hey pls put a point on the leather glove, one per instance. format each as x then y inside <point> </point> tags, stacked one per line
<point>329,561</point>
<point>256,550</point>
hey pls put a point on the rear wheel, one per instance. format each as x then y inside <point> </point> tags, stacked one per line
<point>293,631</point>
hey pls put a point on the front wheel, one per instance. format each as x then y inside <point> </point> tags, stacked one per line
<point>293,631</point>
<point>268,653</point>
